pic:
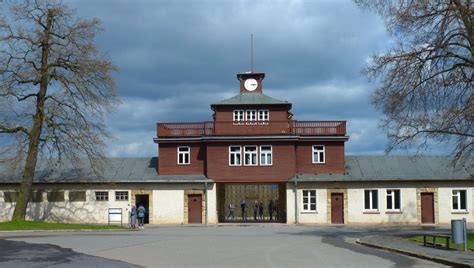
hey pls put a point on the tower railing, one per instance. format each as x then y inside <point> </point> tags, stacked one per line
<point>229,128</point>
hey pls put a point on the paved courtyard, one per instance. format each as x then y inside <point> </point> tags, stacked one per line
<point>164,246</point>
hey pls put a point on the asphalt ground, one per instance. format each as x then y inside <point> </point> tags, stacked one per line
<point>264,245</point>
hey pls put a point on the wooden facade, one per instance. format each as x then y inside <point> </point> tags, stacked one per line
<point>291,141</point>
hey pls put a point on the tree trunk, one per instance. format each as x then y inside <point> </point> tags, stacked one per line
<point>35,133</point>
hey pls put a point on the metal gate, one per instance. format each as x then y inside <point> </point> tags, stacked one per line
<point>252,202</point>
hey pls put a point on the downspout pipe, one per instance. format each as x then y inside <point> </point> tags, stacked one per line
<point>207,201</point>
<point>296,199</point>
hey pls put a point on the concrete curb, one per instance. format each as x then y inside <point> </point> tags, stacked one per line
<point>64,230</point>
<point>450,262</point>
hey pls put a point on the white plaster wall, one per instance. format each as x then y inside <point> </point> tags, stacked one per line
<point>358,214</point>
<point>168,205</point>
<point>90,211</point>
<point>446,213</point>
<point>290,203</point>
<point>320,216</point>
<point>212,204</point>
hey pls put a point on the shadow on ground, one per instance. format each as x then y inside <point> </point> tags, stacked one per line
<point>22,254</point>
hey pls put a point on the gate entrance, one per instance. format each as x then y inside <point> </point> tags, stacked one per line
<point>252,202</point>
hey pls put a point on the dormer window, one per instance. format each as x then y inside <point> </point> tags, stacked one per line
<point>238,115</point>
<point>263,115</point>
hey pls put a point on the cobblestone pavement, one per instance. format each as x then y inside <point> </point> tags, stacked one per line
<point>264,245</point>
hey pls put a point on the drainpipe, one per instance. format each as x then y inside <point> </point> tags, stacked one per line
<point>296,199</point>
<point>205,197</point>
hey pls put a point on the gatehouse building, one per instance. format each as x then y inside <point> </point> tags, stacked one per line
<point>253,155</point>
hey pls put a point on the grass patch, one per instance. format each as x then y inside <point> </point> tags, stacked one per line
<point>40,225</point>
<point>470,241</point>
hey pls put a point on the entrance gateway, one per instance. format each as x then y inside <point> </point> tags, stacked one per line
<point>337,208</point>
<point>270,197</point>
<point>427,208</point>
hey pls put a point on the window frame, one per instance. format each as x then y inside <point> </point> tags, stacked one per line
<point>102,192</point>
<point>266,152</point>
<point>323,151</point>
<point>247,112</point>
<point>238,119</point>
<point>50,195</point>
<point>121,192</point>
<point>371,201</point>
<point>459,209</point>
<point>75,192</point>
<point>308,191</point>
<point>393,199</point>
<point>256,155</point>
<point>260,114</point>
<point>178,153</point>
<point>231,154</point>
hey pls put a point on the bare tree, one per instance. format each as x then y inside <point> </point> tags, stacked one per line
<point>425,81</point>
<point>55,89</point>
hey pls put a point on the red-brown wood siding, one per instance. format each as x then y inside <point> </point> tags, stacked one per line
<point>283,167</point>
<point>168,159</point>
<point>334,158</point>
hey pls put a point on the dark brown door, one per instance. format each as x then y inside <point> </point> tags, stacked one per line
<point>194,208</point>
<point>427,208</point>
<point>337,208</point>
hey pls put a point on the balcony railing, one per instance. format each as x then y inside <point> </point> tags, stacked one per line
<point>225,128</point>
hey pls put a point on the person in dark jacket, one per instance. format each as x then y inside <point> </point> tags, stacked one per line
<point>141,215</point>
<point>270,209</point>
<point>255,210</point>
<point>243,206</point>
<point>260,210</point>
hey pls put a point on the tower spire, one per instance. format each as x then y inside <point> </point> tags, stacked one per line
<point>251,53</point>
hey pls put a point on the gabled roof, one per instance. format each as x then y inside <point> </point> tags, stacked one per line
<point>397,168</point>
<point>115,170</point>
<point>250,98</point>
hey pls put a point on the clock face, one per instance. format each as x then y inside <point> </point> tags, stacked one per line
<point>250,84</point>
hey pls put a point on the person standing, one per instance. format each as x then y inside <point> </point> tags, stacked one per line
<point>255,210</point>
<point>243,205</point>
<point>133,218</point>
<point>260,210</point>
<point>231,211</point>
<point>277,209</point>
<point>270,209</point>
<point>141,215</point>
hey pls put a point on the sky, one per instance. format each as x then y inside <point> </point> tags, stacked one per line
<point>177,57</point>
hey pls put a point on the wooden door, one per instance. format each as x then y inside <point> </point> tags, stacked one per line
<point>427,208</point>
<point>337,208</point>
<point>194,208</point>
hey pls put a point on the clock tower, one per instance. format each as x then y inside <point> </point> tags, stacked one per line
<point>251,82</point>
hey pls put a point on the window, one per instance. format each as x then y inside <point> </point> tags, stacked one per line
<point>250,155</point>
<point>77,196</point>
<point>266,155</point>
<point>55,196</point>
<point>309,200</point>
<point>235,156</point>
<point>183,155</point>
<point>10,197</point>
<point>318,154</point>
<point>36,196</point>
<point>393,199</point>
<point>238,115</point>
<point>371,200</point>
<point>263,115</point>
<point>251,115</point>
<point>102,196</point>
<point>121,195</point>
<point>459,200</point>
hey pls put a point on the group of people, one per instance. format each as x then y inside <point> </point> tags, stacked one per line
<point>137,214</point>
<point>258,208</point>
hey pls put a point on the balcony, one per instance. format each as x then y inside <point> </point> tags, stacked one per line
<point>226,128</point>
